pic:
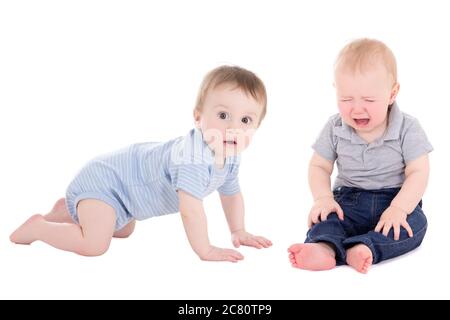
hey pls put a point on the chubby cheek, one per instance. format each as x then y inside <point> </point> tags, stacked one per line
<point>213,137</point>
<point>345,110</point>
<point>209,125</point>
<point>377,112</point>
<point>245,139</point>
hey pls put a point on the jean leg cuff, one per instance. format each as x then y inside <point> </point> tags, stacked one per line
<point>337,246</point>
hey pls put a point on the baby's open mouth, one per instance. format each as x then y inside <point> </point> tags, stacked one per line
<point>362,122</point>
<point>230,142</point>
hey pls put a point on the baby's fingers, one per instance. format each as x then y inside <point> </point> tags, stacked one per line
<point>264,242</point>
<point>396,228</point>
<point>324,214</point>
<point>407,228</point>
<point>313,218</point>
<point>236,243</point>
<point>251,242</point>
<point>386,228</point>
<point>231,255</point>
<point>379,226</point>
<point>310,222</point>
<point>340,212</point>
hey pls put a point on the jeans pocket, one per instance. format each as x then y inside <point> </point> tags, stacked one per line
<point>348,199</point>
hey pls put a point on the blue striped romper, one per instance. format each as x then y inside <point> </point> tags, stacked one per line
<point>141,181</point>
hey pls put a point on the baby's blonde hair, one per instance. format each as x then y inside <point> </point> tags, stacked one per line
<point>243,79</point>
<point>363,53</point>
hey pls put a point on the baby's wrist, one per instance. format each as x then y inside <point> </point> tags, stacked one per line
<point>399,208</point>
<point>325,196</point>
<point>237,230</point>
<point>204,252</point>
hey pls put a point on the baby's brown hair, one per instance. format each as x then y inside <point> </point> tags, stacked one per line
<point>243,79</point>
<point>361,53</point>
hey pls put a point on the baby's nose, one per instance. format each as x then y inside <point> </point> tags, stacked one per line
<point>232,130</point>
<point>358,109</point>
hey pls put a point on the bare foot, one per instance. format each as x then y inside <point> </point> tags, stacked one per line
<point>25,233</point>
<point>312,256</point>
<point>360,258</point>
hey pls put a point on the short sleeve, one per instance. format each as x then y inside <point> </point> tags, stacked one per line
<point>190,178</point>
<point>414,141</point>
<point>324,144</point>
<point>231,184</point>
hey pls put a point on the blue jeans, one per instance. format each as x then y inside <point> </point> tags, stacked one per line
<point>362,211</point>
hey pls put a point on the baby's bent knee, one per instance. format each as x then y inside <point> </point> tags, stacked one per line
<point>91,250</point>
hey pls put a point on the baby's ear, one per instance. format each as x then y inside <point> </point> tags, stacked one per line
<point>197,118</point>
<point>394,93</point>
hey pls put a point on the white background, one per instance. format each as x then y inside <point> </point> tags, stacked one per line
<point>80,78</point>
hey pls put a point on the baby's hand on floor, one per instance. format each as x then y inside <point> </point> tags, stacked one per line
<point>221,254</point>
<point>244,238</point>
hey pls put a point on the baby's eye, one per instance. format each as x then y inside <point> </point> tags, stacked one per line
<point>346,99</point>
<point>370,100</point>
<point>246,120</point>
<point>223,115</point>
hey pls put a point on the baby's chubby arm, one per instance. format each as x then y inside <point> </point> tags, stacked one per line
<point>412,190</point>
<point>416,180</point>
<point>195,225</point>
<point>319,173</point>
<point>233,207</point>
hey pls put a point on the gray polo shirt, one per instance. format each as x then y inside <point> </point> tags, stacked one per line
<point>377,165</point>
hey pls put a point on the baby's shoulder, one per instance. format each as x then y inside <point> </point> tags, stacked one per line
<point>334,126</point>
<point>409,119</point>
<point>191,149</point>
<point>335,120</point>
<point>410,124</point>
